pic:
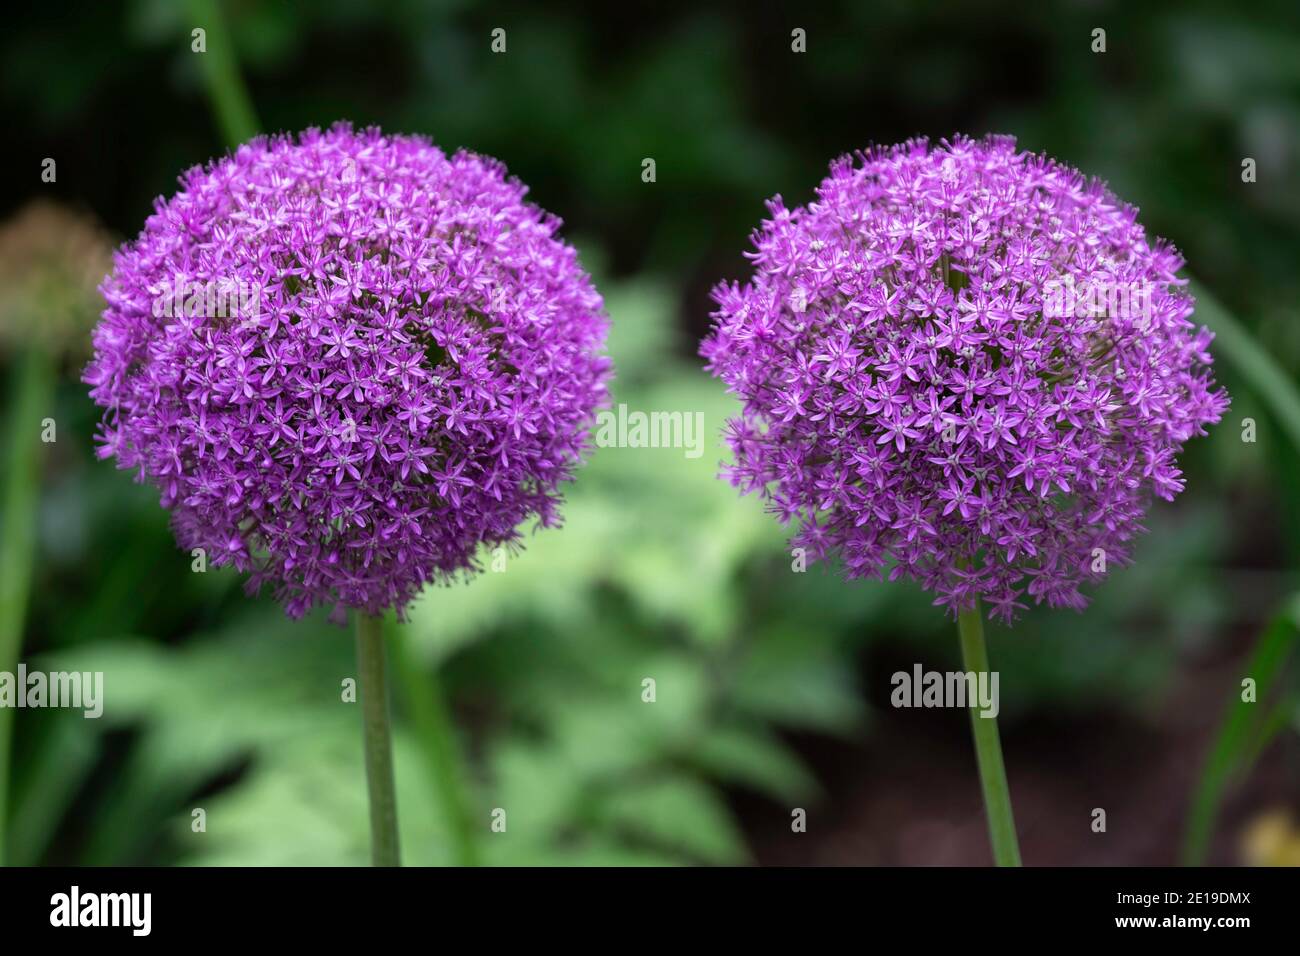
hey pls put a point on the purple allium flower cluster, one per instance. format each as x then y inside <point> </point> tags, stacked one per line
<point>922,398</point>
<point>400,364</point>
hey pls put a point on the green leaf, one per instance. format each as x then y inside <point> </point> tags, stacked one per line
<point>752,757</point>
<point>1237,743</point>
<point>1273,384</point>
<point>788,680</point>
<point>679,813</point>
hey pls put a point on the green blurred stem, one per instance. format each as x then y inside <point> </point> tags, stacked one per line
<point>225,87</point>
<point>30,404</point>
<point>373,686</point>
<point>427,706</point>
<point>988,747</point>
<point>1262,372</point>
<point>1243,732</point>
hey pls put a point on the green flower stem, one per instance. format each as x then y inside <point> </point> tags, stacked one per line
<point>426,705</point>
<point>988,747</point>
<point>1243,734</point>
<point>225,87</point>
<point>31,402</point>
<point>372,682</point>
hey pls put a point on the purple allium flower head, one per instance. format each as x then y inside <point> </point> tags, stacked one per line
<point>966,365</point>
<point>347,361</point>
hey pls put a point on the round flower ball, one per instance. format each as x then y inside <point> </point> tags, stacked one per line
<point>349,362</point>
<point>966,365</point>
